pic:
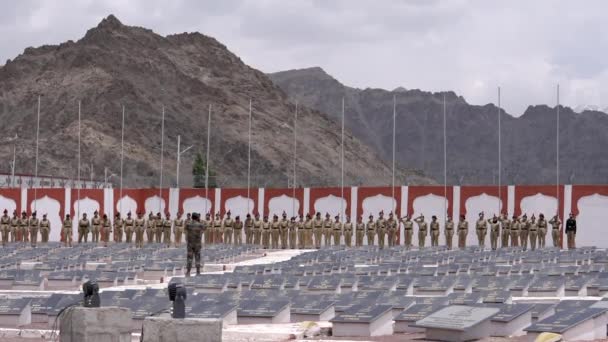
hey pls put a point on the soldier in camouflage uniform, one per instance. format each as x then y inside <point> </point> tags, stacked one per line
<point>67,231</point>
<point>129,228</point>
<point>194,234</point>
<point>140,225</point>
<point>422,230</point>
<point>371,230</point>
<point>34,227</point>
<point>45,229</point>
<point>96,224</point>
<point>5,227</point>
<point>359,232</point>
<point>83,228</point>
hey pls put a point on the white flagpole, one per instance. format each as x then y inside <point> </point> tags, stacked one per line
<point>79,185</point>
<point>249,159</point>
<point>342,166</point>
<point>557,154</point>
<point>445,163</point>
<point>394,133</point>
<point>162,148</point>
<point>499,155</point>
<point>295,153</point>
<point>36,162</point>
<point>207,160</point>
<point>122,155</point>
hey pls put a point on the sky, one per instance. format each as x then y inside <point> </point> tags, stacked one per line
<point>471,47</point>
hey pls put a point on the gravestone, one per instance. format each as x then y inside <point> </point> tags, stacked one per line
<point>363,320</point>
<point>511,320</point>
<point>263,312</point>
<point>15,312</point>
<point>577,325</point>
<point>458,323</point>
<point>409,316</point>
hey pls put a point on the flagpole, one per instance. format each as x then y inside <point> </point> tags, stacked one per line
<point>394,133</point>
<point>557,154</point>
<point>36,162</point>
<point>295,153</point>
<point>445,162</point>
<point>207,160</point>
<point>342,165</point>
<point>79,185</point>
<point>499,155</point>
<point>249,159</point>
<point>162,147</point>
<point>122,155</point>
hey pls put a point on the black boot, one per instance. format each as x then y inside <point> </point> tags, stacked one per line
<point>188,268</point>
<point>198,270</point>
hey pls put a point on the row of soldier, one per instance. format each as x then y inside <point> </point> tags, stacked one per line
<point>293,233</point>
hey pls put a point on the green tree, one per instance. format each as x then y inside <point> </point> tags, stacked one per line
<point>199,168</point>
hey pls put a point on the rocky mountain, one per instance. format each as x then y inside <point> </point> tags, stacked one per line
<point>528,141</point>
<point>115,65</point>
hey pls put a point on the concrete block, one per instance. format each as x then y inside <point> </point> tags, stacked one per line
<point>160,329</point>
<point>110,324</point>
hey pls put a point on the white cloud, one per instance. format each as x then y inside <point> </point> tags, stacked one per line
<point>471,47</point>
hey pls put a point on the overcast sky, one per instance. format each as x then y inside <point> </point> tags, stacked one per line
<point>470,47</point>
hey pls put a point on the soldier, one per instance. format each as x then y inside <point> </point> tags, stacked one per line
<point>67,231</point>
<point>292,232</point>
<point>337,230</point>
<point>228,226</point>
<point>83,228</point>
<point>45,229</point>
<point>5,227</point>
<point>248,230</point>
<point>118,228</point>
<point>194,234</point>
<point>257,230</point>
<point>283,231</point>
<point>178,228</point>
<point>434,231</point>
<point>514,229</point>
<point>217,234</point>
<point>140,227</point>
<point>381,229</point>
<point>422,230</point>
<point>523,231</point>
<point>266,233</point>
<point>494,232</point>
<point>571,231</point>
<point>15,227</point>
<point>34,227</point>
<point>129,228</point>
<point>159,225</point>
<point>463,231</point>
<point>106,229</point>
<point>96,224</point>
<point>237,227</point>
<point>556,224</point>
<point>359,231</point>
<point>449,232</point>
<point>23,228</point>
<point>392,230</point>
<point>371,231</point>
<point>348,232</point>
<point>318,230</point>
<point>274,232</point>
<point>542,230</point>
<point>327,228</point>
<point>167,225</point>
<point>408,231</point>
<point>505,231</point>
<point>150,229</point>
<point>533,232</point>
<point>301,233</point>
<point>481,229</point>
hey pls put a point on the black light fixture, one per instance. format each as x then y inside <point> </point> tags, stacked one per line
<point>91,294</point>
<point>178,294</point>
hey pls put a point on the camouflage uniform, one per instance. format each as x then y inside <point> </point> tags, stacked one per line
<point>194,233</point>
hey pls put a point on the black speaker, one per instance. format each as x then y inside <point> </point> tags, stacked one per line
<point>178,294</point>
<point>91,294</point>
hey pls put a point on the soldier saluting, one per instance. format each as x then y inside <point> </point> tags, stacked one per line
<point>422,230</point>
<point>556,224</point>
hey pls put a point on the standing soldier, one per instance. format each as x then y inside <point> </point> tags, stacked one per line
<point>327,228</point>
<point>34,227</point>
<point>209,223</point>
<point>381,229</point>
<point>571,231</point>
<point>348,232</point>
<point>150,228</point>
<point>463,231</point>
<point>337,230</point>
<point>167,224</point>
<point>494,232</point>
<point>140,226</point>
<point>274,232</point>
<point>359,231</point>
<point>292,231</point>
<point>556,224</point>
<point>106,229</point>
<point>505,231</point>
<point>524,225</point>
<point>449,232</point>
<point>45,229</point>
<point>257,229</point>
<point>118,228</point>
<point>158,225</point>
<point>129,228</point>
<point>248,230</point>
<point>83,228</point>
<point>67,231</point>
<point>391,230</point>
<point>318,230</point>
<point>515,231</point>
<point>194,234</point>
<point>481,229</point>
<point>303,231</point>
<point>408,231</point>
<point>96,224</point>
<point>237,227</point>
<point>178,228</point>
<point>308,229</point>
<point>542,230</point>
<point>218,229</point>
<point>422,230</point>
<point>23,227</point>
<point>15,227</point>
<point>533,232</point>
<point>283,231</point>
<point>5,227</point>
<point>434,231</point>
<point>371,231</point>
<point>266,233</point>
<point>227,226</point>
